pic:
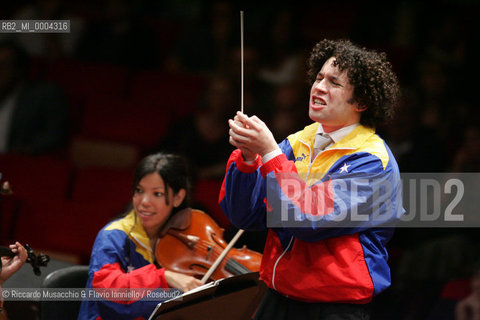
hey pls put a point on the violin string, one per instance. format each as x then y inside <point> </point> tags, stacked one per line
<point>217,252</point>
<point>219,260</point>
<point>231,264</point>
<point>203,245</point>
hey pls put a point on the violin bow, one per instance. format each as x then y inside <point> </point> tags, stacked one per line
<point>221,256</point>
<point>240,231</point>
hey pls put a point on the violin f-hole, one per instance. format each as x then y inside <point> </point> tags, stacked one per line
<point>209,253</point>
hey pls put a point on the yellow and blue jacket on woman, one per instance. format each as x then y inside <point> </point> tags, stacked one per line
<point>122,259</point>
<point>329,218</point>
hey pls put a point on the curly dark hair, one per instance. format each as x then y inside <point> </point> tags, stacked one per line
<point>375,85</point>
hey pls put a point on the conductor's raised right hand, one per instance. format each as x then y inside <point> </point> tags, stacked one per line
<point>252,135</point>
<point>247,154</point>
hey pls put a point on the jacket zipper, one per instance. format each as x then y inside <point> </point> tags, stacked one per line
<point>278,260</point>
<point>291,239</point>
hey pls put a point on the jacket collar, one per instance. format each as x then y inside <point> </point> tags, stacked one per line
<point>137,233</point>
<point>351,141</point>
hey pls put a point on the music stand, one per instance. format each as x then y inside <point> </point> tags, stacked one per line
<point>234,298</point>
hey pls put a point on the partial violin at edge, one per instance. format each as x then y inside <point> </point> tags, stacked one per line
<point>35,261</point>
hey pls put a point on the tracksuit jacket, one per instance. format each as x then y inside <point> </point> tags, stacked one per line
<point>329,220</point>
<point>122,258</point>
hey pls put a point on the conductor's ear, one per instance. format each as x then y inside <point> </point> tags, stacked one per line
<point>359,108</point>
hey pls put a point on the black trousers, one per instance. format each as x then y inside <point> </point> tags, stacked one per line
<point>275,306</point>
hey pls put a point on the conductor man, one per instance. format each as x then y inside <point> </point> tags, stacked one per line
<point>329,194</point>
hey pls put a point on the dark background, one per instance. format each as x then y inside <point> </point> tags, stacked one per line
<point>135,77</point>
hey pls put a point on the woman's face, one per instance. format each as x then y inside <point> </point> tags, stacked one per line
<point>149,201</point>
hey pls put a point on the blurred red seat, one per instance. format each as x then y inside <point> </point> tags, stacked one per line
<point>85,152</point>
<point>36,177</point>
<point>83,78</point>
<point>63,227</point>
<point>179,94</point>
<point>9,208</point>
<point>112,118</point>
<point>96,184</point>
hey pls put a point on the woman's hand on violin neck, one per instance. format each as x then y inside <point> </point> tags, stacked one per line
<point>181,281</point>
<point>11,265</point>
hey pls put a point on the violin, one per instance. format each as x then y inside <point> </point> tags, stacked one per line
<point>35,261</point>
<point>191,242</point>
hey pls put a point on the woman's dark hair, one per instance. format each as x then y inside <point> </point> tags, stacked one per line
<point>375,85</point>
<point>172,168</point>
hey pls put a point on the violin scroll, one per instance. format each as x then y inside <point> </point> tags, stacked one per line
<point>36,261</point>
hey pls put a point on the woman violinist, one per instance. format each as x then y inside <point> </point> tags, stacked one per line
<point>123,255</point>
